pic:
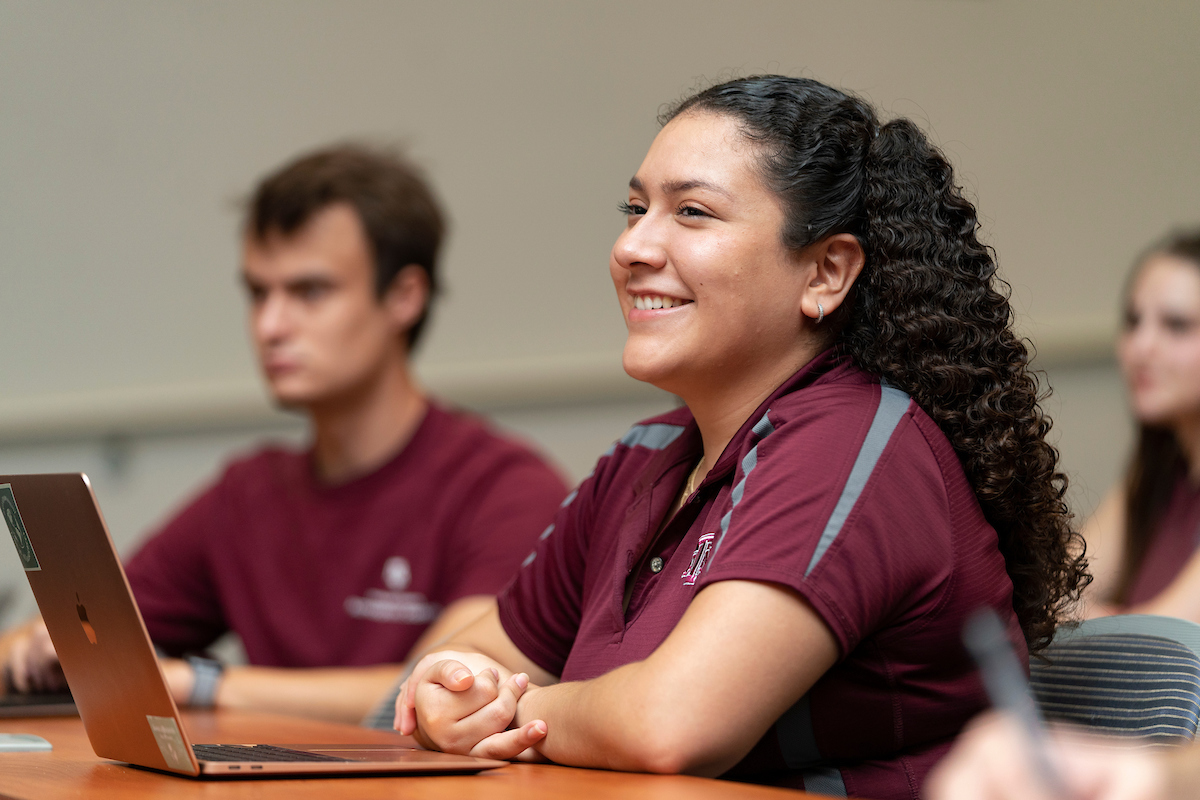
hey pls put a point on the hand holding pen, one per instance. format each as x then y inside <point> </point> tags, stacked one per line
<point>1008,754</point>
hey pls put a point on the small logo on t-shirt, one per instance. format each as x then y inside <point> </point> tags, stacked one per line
<point>699,557</point>
<point>397,574</point>
<point>394,604</point>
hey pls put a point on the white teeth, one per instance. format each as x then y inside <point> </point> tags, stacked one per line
<point>646,302</point>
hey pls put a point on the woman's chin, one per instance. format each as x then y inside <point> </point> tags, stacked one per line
<point>642,366</point>
<point>1162,415</point>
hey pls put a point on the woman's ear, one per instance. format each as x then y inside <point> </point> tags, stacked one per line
<point>406,297</point>
<point>835,263</point>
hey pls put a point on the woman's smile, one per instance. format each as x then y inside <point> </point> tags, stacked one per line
<point>710,294</point>
<point>653,302</point>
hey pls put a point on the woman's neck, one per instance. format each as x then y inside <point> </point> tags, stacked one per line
<point>1187,434</point>
<point>720,409</point>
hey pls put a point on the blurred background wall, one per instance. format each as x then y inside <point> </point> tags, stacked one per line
<point>129,130</point>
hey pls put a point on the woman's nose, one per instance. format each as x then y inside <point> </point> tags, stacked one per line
<point>641,244</point>
<point>1138,342</point>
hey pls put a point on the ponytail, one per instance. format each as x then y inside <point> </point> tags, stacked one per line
<point>928,314</point>
<point>931,317</point>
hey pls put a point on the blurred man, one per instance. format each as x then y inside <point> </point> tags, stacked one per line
<point>399,522</point>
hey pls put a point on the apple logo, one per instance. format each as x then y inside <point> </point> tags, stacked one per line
<point>87,626</point>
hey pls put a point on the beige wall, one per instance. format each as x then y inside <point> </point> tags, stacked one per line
<point>128,128</point>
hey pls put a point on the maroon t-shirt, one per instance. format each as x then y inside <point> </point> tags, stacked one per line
<point>311,575</point>
<point>836,487</point>
<point>1174,542</point>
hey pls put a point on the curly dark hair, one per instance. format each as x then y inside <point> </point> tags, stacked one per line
<point>928,314</point>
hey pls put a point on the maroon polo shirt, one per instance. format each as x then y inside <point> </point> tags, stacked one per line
<point>836,487</point>
<point>311,575</point>
<point>1173,544</point>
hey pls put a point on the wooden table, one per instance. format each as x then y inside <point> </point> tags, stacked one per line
<point>72,770</point>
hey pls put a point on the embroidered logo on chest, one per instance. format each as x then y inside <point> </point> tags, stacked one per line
<point>699,558</point>
<point>394,604</point>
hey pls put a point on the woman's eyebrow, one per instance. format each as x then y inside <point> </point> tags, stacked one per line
<point>672,187</point>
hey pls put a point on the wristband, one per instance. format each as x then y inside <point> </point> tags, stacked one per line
<point>206,677</point>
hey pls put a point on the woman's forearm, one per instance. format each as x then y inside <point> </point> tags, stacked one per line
<point>621,721</point>
<point>743,653</point>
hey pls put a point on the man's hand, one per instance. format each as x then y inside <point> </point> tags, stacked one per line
<point>180,679</point>
<point>29,661</point>
<point>461,712</point>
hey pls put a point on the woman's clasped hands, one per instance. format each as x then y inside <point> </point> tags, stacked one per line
<point>466,703</point>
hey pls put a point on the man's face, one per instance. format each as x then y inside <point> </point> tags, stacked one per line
<point>321,333</point>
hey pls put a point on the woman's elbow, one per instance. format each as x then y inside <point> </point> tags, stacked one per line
<point>671,750</point>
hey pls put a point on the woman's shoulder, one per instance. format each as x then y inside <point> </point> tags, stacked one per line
<point>657,432</point>
<point>641,444</point>
<point>853,413</point>
<point>845,400</point>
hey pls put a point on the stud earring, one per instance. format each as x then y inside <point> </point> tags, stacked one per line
<point>820,313</point>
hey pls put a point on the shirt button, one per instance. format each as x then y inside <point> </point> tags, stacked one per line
<point>656,565</point>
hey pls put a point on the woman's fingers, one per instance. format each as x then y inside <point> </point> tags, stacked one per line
<point>448,699</point>
<point>498,714</point>
<point>458,722</point>
<point>405,720</point>
<point>448,673</point>
<point>508,745</point>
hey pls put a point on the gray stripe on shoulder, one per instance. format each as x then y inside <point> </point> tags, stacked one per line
<point>827,781</point>
<point>763,428</point>
<point>893,404</point>
<point>655,436</point>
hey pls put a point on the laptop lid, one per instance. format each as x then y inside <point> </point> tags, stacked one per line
<point>105,650</point>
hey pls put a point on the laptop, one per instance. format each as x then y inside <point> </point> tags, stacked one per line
<point>110,665</point>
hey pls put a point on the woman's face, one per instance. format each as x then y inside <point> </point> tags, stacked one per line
<point>1159,349</point>
<point>708,291</point>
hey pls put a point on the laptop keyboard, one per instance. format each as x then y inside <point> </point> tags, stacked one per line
<point>256,752</point>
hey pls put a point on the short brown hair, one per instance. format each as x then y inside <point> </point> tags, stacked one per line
<point>402,220</point>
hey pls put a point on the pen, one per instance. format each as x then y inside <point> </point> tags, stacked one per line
<point>1008,688</point>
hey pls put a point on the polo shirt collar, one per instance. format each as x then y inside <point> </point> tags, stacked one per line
<point>822,364</point>
<point>688,446</point>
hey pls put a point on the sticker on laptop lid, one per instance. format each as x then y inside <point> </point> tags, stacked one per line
<point>16,528</point>
<point>170,743</point>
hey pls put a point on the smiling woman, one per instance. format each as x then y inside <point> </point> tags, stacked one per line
<point>770,583</point>
<point>1143,537</point>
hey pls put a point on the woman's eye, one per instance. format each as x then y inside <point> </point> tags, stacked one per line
<point>692,211</point>
<point>631,210</point>
<point>1178,324</point>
